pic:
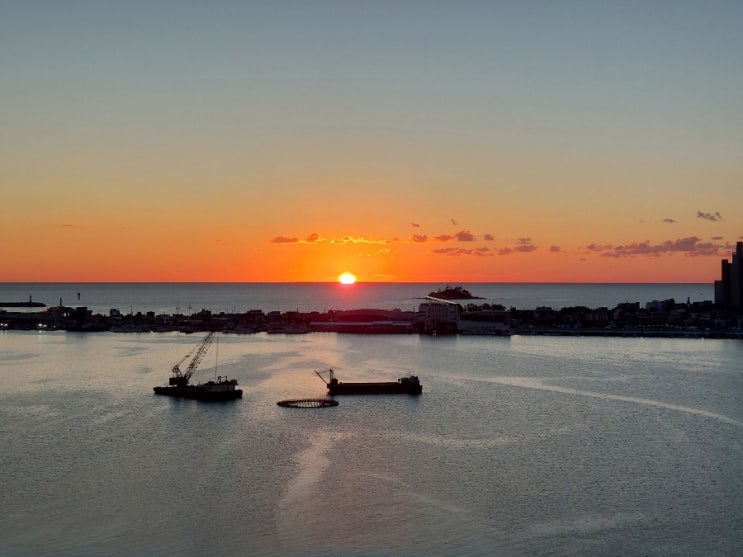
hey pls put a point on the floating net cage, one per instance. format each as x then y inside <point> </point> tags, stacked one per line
<point>308,403</point>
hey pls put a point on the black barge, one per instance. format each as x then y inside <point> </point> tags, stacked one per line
<point>220,389</point>
<point>404,386</point>
<point>211,391</point>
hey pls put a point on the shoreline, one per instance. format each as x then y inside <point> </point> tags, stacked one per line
<point>433,316</point>
<point>713,324</point>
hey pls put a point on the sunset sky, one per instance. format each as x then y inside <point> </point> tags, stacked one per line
<point>470,141</point>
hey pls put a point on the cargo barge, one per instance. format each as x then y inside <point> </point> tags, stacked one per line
<point>405,385</point>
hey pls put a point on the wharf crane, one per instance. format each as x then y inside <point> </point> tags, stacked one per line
<point>181,378</point>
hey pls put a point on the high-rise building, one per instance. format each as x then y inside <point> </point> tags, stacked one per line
<point>729,289</point>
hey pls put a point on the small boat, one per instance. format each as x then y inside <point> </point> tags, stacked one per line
<point>405,385</point>
<point>220,389</point>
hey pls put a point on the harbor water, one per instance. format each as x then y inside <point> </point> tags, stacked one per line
<point>518,446</point>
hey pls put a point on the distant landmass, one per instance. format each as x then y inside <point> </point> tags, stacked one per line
<point>454,293</point>
<point>28,304</point>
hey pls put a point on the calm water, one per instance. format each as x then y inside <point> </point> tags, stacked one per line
<point>240,297</point>
<point>519,446</point>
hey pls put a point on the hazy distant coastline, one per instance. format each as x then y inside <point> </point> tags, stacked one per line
<point>379,308</point>
<point>173,298</point>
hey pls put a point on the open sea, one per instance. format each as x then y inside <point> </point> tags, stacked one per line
<point>520,446</point>
<point>239,297</point>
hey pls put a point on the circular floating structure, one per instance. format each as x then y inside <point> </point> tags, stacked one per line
<point>308,403</point>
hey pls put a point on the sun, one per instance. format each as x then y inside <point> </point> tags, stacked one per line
<point>347,278</point>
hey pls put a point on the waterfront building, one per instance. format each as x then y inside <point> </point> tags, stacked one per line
<point>485,322</point>
<point>729,289</point>
<point>439,316</point>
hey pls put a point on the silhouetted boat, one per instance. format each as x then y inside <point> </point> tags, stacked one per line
<point>405,385</point>
<point>212,391</point>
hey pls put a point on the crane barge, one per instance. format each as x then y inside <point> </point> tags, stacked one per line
<point>178,385</point>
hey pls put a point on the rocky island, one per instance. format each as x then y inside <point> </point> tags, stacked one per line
<point>453,293</point>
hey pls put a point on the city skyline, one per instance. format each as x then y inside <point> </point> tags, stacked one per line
<point>424,142</point>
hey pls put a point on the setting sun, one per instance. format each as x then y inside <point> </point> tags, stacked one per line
<point>347,278</point>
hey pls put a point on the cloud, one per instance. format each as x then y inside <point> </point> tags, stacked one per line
<point>691,246</point>
<point>419,238</point>
<point>358,240</point>
<point>465,236</point>
<point>315,238</point>
<point>598,247</point>
<point>488,237</point>
<point>283,240</point>
<point>461,236</point>
<point>670,221</point>
<point>524,245</point>
<point>555,249</point>
<point>709,216</point>
<point>459,252</point>
<point>707,248</point>
<point>415,225</point>
<point>76,227</point>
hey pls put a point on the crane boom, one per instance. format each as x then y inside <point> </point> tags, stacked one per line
<point>331,376</point>
<point>182,377</point>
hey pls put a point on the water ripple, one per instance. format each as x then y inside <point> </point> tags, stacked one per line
<point>530,383</point>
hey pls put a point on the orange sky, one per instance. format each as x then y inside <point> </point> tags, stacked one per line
<point>398,142</point>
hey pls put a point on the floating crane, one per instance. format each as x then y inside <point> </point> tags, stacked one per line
<point>220,389</point>
<point>181,378</point>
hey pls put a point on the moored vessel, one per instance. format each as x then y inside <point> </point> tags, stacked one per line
<point>220,389</point>
<point>405,385</point>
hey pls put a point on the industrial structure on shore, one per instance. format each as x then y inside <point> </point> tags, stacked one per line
<point>729,289</point>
